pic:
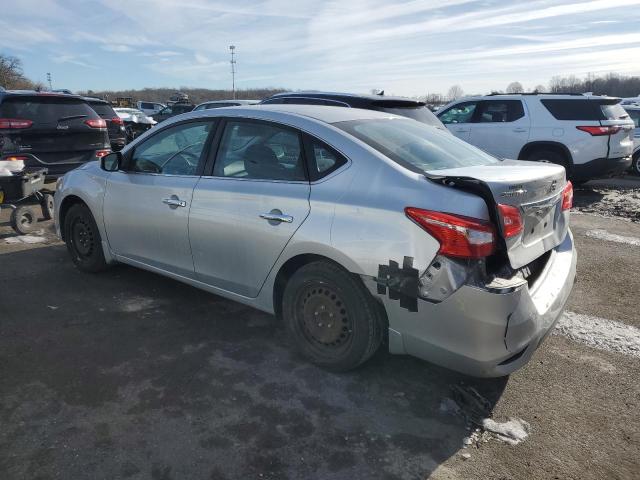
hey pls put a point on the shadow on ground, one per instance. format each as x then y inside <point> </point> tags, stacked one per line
<point>129,375</point>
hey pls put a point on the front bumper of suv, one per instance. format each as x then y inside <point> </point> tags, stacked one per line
<point>482,333</point>
<point>600,168</point>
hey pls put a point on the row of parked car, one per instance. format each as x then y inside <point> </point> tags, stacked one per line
<point>591,136</point>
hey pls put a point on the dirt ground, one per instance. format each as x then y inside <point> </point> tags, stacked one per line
<point>130,375</point>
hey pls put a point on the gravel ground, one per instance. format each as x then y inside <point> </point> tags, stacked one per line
<point>610,200</point>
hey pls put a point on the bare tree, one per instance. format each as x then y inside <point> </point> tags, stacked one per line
<point>11,75</point>
<point>515,87</point>
<point>455,92</point>
<point>539,89</point>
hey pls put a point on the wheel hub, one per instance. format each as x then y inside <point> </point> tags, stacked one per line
<point>325,317</point>
<point>82,238</point>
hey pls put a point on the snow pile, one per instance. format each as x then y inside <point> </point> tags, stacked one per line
<point>512,432</point>
<point>612,237</point>
<point>25,239</point>
<point>600,333</point>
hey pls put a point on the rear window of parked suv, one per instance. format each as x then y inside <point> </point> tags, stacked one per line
<point>581,109</point>
<point>103,109</point>
<point>43,109</point>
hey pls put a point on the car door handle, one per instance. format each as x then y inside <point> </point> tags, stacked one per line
<point>174,202</point>
<point>519,130</point>
<point>277,217</point>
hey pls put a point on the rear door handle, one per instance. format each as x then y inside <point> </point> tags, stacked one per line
<point>276,217</point>
<point>519,130</point>
<point>174,202</point>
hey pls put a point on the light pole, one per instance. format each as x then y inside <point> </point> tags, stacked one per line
<point>233,70</point>
<point>49,80</point>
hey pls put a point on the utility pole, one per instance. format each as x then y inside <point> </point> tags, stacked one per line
<point>233,69</point>
<point>49,80</point>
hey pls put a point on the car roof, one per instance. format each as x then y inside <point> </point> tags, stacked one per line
<point>322,113</point>
<point>346,97</point>
<point>95,100</point>
<point>31,93</point>
<point>243,101</point>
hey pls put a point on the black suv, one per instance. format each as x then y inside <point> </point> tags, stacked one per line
<point>115,125</point>
<point>172,110</point>
<point>396,105</point>
<point>56,131</point>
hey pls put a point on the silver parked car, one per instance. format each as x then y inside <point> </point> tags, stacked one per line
<point>355,227</point>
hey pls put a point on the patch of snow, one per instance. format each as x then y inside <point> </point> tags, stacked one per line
<point>600,333</point>
<point>612,237</point>
<point>465,455</point>
<point>512,432</point>
<point>137,304</point>
<point>28,239</point>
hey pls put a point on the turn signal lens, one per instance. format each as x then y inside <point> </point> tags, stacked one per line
<point>511,220</point>
<point>567,196</point>
<point>102,153</point>
<point>459,236</point>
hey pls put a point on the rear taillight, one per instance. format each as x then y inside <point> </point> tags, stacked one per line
<point>567,196</point>
<point>117,121</point>
<point>102,153</point>
<point>459,236</point>
<point>511,220</point>
<point>16,158</point>
<point>14,123</point>
<point>96,123</point>
<point>600,131</point>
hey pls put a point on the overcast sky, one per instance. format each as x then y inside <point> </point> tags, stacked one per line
<point>407,48</point>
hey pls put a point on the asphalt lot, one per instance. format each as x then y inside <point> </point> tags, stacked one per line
<point>127,374</point>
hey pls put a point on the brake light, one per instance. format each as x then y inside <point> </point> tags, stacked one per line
<point>16,158</point>
<point>567,196</point>
<point>102,153</point>
<point>459,236</point>
<point>14,123</point>
<point>597,131</point>
<point>117,120</point>
<point>96,123</point>
<point>511,220</point>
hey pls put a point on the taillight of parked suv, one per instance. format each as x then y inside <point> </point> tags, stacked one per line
<point>596,131</point>
<point>14,123</point>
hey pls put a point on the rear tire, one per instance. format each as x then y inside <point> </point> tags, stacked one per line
<point>333,320</point>
<point>83,240</point>
<point>24,219</point>
<point>635,164</point>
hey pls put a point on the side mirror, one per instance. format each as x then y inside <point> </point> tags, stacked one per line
<point>111,162</point>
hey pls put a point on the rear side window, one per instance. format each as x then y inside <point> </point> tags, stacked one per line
<point>500,111</point>
<point>43,109</point>
<point>103,109</point>
<point>582,109</point>
<point>416,146</point>
<point>322,159</point>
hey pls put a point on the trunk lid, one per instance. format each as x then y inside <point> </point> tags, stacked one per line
<point>534,188</point>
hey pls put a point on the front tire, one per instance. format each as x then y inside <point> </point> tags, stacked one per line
<point>333,320</point>
<point>83,240</point>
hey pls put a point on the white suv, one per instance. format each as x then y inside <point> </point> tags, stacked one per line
<point>634,112</point>
<point>591,136</point>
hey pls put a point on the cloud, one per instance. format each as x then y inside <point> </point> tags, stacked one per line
<point>117,48</point>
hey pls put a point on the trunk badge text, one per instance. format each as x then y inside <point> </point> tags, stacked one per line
<point>514,191</point>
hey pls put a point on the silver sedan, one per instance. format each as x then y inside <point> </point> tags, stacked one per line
<point>356,228</point>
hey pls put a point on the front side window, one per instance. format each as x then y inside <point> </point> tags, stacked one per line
<point>460,113</point>
<point>178,150</point>
<point>500,111</point>
<point>258,150</point>
<point>416,146</point>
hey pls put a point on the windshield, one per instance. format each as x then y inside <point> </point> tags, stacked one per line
<point>421,114</point>
<point>414,145</point>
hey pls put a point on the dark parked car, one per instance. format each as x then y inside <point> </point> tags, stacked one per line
<point>115,125</point>
<point>396,105</point>
<point>172,110</point>
<point>56,131</point>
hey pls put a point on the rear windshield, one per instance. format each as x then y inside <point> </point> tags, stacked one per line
<point>582,109</point>
<point>416,146</point>
<point>635,116</point>
<point>43,109</point>
<point>103,109</point>
<point>421,114</point>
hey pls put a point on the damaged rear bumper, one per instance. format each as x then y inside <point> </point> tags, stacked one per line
<point>480,332</point>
